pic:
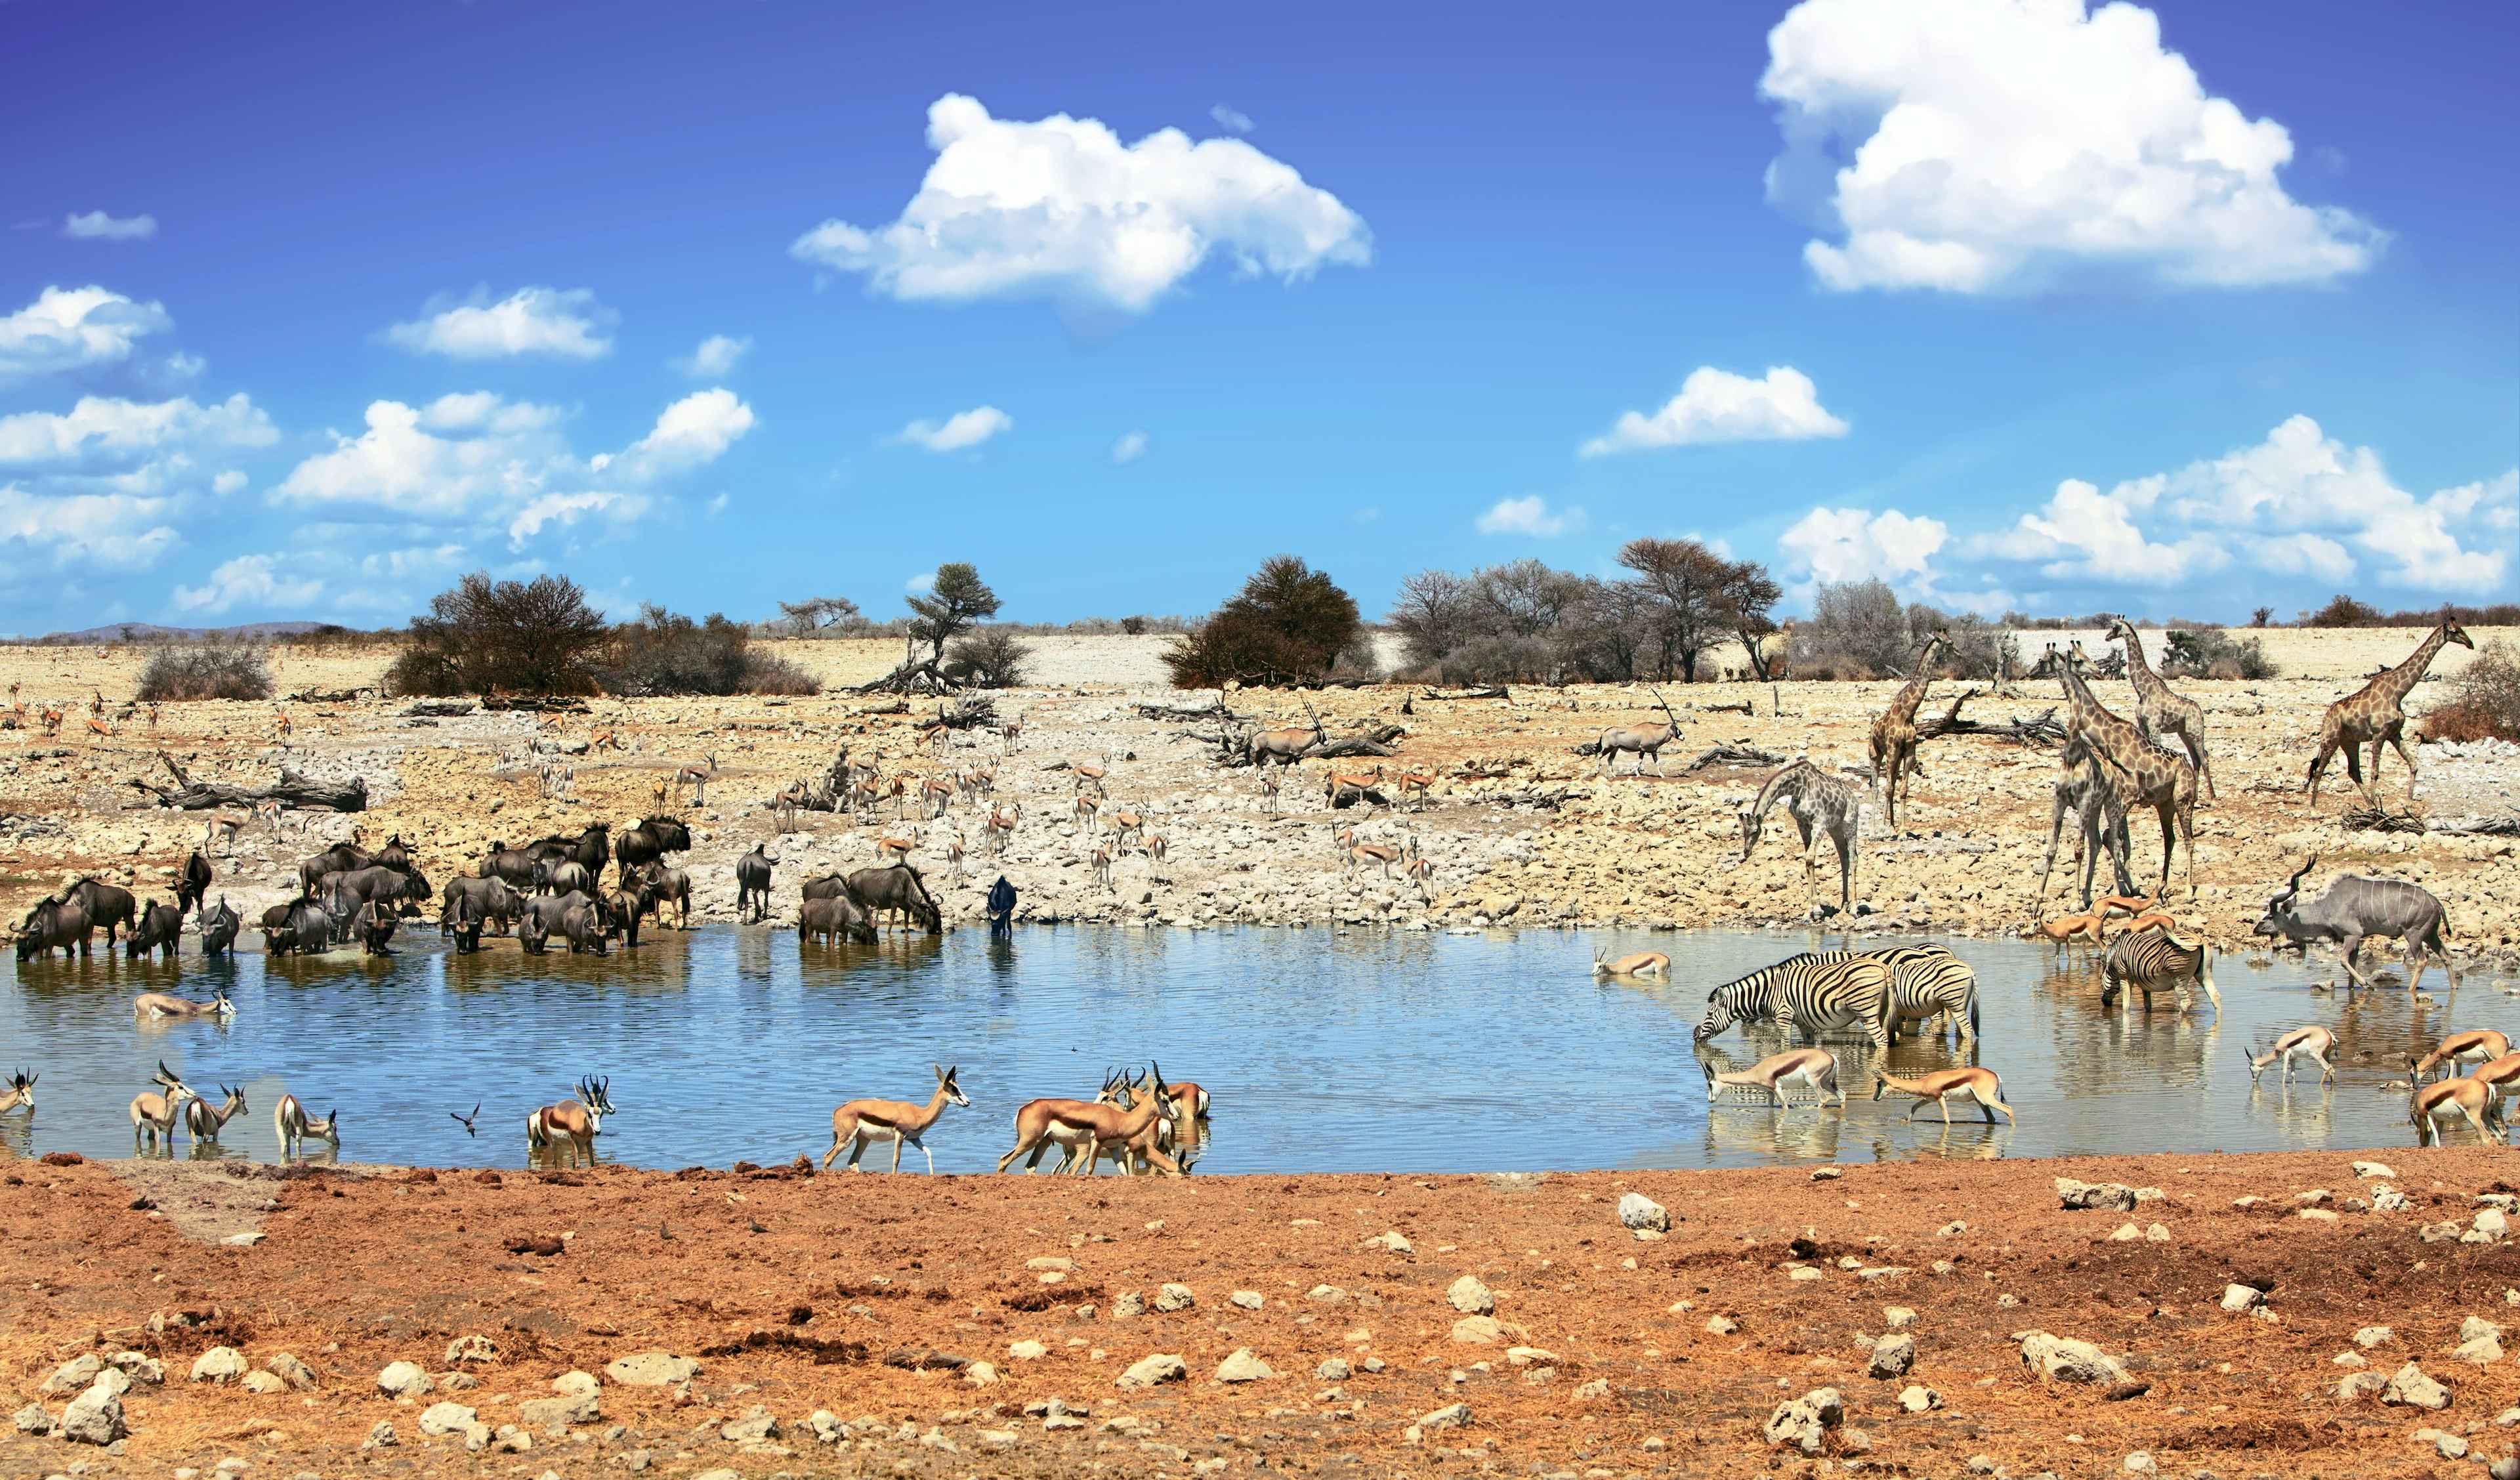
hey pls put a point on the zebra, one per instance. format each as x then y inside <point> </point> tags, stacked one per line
<point>1809,993</point>
<point>1819,803</point>
<point>1928,981</point>
<point>2152,960</point>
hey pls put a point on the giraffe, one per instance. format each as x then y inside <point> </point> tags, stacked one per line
<point>1893,734</point>
<point>2373,715</point>
<point>2158,709</point>
<point>2144,774</point>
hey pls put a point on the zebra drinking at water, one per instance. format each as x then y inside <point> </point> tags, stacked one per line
<point>1808,992</point>
<point>2152,960</point>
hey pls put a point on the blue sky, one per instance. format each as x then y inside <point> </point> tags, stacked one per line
<point>306,309</point>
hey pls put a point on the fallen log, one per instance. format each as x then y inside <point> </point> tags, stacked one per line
<point>2379,820</point>
<point>439,708</point>
<point>2477,827</point>
<point>2040,728</point>
<point>1742,708</point>
<point>1348,796</point>
<point>1742,754</point>
<point>1216,710</point>
<point>291,791</point>
<point>970,711</point>
<point>534,703</point>
<point>1437,693</point>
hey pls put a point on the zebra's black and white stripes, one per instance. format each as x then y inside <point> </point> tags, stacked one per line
<point>2150,960</point>
<point>1811,993</point>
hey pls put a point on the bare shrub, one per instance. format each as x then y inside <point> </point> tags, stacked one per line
<point>1855,627</point>
<point>214,669</point>
<point>2210,652</point>
<point>2484,699</point>
<point>992,658</point>
<point>666,653</point>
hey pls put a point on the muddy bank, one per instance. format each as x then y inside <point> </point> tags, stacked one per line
<point>1574,1346</point>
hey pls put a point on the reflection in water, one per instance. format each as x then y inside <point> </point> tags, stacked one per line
<point>1326,1049</point>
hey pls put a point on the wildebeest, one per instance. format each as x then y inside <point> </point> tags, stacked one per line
<point>464,918</point>
<point>752,884</point>
<point>402,891</point>
<point>161,928</point>
<point>588,849</point>
<point>193,885</point>
<point>54,924</point>
<point>562,875</point>
<point>511,867</point>
<point>301,926</point>
<point>897,886</point>
<point>582,923</point>
<point>393,855</point>
<point>491,900</point>
<point>340,858</point>
<point>2354,908</point>
<point>374,924</point>
<point>833,918</point>
<point>672,835</point>
<point>545,915</point>
<point>107,906</point>
<point>669,887</point>
<point>621,911</point>
<point>219,926</point>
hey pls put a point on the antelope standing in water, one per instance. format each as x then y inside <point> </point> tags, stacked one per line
<point>203,1120</point>
<point>154,1115</point>
<point>863,1121</point>
<point>1813,1068</point>
<point>19,1094</point>
<point>155,1004</point>
<point>1979,1086</point>
<point>573,1123</point>
<point>2435,1105</point>
<point>2312,1042</point>
<point>1640,963</point>
<point>2476,1046</point>
<point>1085,1124</point>
<point>294,1126</point>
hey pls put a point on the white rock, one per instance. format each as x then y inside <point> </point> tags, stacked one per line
<point>2242,1298</point>
<point>446,1418</point>
<point>2370,1336</point>
<point>1478,1330</point>
<point>651,1369</point>
<point>1242,1367</point>
<point>1175,1297</point>
<point>220,1363</point>
<point>1249,1300</point>
<point>2408,1387</point>
<point>1637,1211</point>
<point>1027,1351</point>
<point>72,1375</point>
<point>1148,1372</point>
<point>1917,1400</point>
<point>1470,1297</point>
<point>1897,1318</point>
<point>405,1379</point>
<point>2067,1360</point>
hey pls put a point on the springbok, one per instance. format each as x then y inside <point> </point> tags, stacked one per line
<point>2435,1105</point>
<point>2473,1046</point>
<point>1385,854</point>
<point>1645,739</point>
<point>1127,825</point>
<point>1270,787</point>
<point>1087,805</point>
<point>222,827</point>
<point>1089,778</point>
<point>1417,778</point>
<point>601,741</point>
<point>1642,964</point>
<point>863,1121</point>
<point>205,1120</point>
<point>954,856</point>
<point>1421,872</point>
<point>936,792</point>
<point>1085,1124</point>
<point>934,737</point>
<point>890,850</point>
<point>783,807</point>
<point>1812,1068</point>
<point>2500,1075</point>
<point>1000,827</point>
<point>1156,851</point>
<point>154,1114</point>
<point>99,727</point>
<point>2312,1042</point>
<point>282,724</point>
<point>698,777</point>
<point>1101,864</point>
<point>2128,903</point>
<point>294,1126</point>
<point>1168,1146</point>
<point>2063,929</point>
<point>19,1094</point>
<point>1359,782</point>
<point>574,1123</point>
<point>155,1004</point>
<point>865,794</point>
<point>1012,732</point>
<point>1980,1087</point>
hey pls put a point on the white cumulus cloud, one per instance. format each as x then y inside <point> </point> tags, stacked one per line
<point>256,580</point>
<point>1718,406</point>
<point>104,432</point>
<point>964,429</point>
<point>717,355</point>
<point>96,225</point>
<point>1060,209</point>
<point>2001,145</point>
<point>1131,447</point>
<point>98,531</point>
<point>531,321</point>
<point>1832,545</point>
<point>697,430</point>
<point>1530,515</point>
<point>71,329</point>
<point>1229,118</point>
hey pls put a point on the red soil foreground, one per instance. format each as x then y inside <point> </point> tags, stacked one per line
<point>802,1293</point>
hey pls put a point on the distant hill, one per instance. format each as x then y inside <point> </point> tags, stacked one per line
<point>150,632</point>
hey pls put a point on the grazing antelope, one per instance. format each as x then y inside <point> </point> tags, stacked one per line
<point>573,1123</point>
<point>2435,1105</point>
<point>1167,1147</point>
<point>2134,905</point>
<point>698,779</point>
<point>294,1126</point>
<point>1085,1124</point>
<point>1645,739</point>
<point>1980,1087</point>
<point>890,850</point>
<point>1086,807</point>
<point>2152,919</point>
<point>154,1114</point>
<point>19,1094</point>
<point>1359,782</point>
<point>863,1121</point>
<point>53,717</point>
<point>1127,825</point>
<point>203,1120</point>
<point>2312,1042</point>
<point>935,793</point>
<point>1089,778</point>
<point>2065,928</point>
<point>1270,787</point>
<point>1000,827</point>
<point>2474,1046</point>
<point>155,1004</point>
<point>1385,854</point>
<point>601,741</point>
<point>1418,780</point>
<point>1813,1068</point>
<point>934,737</point>
<point>2500,1075</point>
<point>1640,963</point>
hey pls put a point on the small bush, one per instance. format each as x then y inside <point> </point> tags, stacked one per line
<point>1287,626</point>
<point>2485,702</point>
<point>2210,652</point>
<point>2343,611</point>
<point>992,658</point>
<point>212,671</point>
<point>665,652</point>
<point>503,637</point>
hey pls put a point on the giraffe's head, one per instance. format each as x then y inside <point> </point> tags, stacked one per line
<point>2453,632</point>
<point>2120,630</point>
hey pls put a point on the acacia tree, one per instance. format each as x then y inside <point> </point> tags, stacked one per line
<point>1752,595</point>
<point>1286,625</point>
<point>814,613</point>
<point>1689,587</point>
<point>535,637</point>
<point>955,601</point>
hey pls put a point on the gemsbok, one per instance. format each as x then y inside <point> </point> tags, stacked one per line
<point>295,1127</point>
<point>573,1123</point>
<point>861,1122</point>
<point>1640,963</point>
<point>1084,1124</point>
<point>2474,1046</point>
<point>153,1115</point>
<point>2312,1042</point>
<point>1812,1068</point>
<point>1645,739</point>
<point>203,1120</point>
<point>1977,1086</point>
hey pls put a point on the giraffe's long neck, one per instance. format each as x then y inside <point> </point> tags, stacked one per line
<point>2394,684</point>
<point>2096,723</point>
<point>1913,691</point>
<point>2139,672</point>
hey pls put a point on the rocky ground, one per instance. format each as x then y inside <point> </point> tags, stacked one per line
<point>2297,1314</point>
<point>1519,829</point>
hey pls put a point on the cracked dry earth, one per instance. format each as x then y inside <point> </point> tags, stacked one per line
<point>873,1301</point>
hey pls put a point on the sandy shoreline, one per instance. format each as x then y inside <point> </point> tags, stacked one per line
<point>862,1297</point>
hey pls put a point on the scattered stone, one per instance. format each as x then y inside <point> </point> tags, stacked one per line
<point>1897,1318</point>
<point>2440,1232</point>
<point>381,1436</point>
<point>1478,1330</point>
<point>1326,1294</point>
<point>1130,1303</point>
<point>1721,1326</point>
<point>34,1419</point>
<point>826,1426</point>
<point>474,1348</point>
<point>222,1364</point>
<point>1148,1372</point>
<point>1392,1241</point>
<point>1806,1273</point>
<point>1249,1300</point>
<point>2140,1463</point>
<point>95,1417</point>
<point>2237,1298</point>
<point>1451,1415</point>
<point>399,1380</point>
<point>2448,1444</point>
<point>1055,1264</point>
<point>1470,1297</point>
<point>1336,1369</point>
<point>2481,1351</point>
<point>1826,1173</point>
<point>1917,1399</point>
<point>2492,1222</point>
<point>446,1418</point>
<point>1891,1356</point>
<point>1242,1367</point>
<point>141,1368</point>
<point>2349,1359</point>
<point>651,1369</point>
<point>2411,1388</point>
<point>244,1240</point>
<point>754,1427</point>
<point>568,1408</point>
<point>2388,1199</point>
<point>1951,1229</point>
<point>2356,1386</point>
<point>2094,1195</point>
<point>1598,1387</point>
<point>72,1375</point>
<point>264,1383</point>
<point>2505,1468</point>
<point>1637,1211</point>
<point>2374,1169</point>
<point>1175,1297</point>
<point>1525,1356</point>
<point>980,1374</point>
<point>2125,1232</point>
<point>2321,1215</point>
<point>2370,1336</point>
<point>290,1370</point>
<point>1804,1422</point>
<point>2067,1360</point>
<point>1027,1351</point>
